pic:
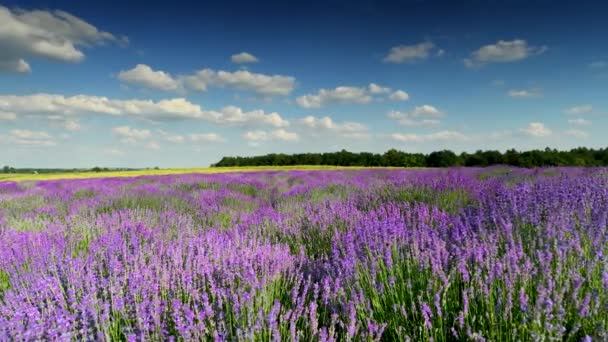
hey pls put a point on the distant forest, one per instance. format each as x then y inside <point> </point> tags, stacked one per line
<point>548,157</point>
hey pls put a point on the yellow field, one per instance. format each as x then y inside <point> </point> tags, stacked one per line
<point>73,175</point>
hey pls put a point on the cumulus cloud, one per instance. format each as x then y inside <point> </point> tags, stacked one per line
<point>71,125</point>
<point>437,136</point>
<point>131,134</point>
<point>577,133</point>
<point>579,122</point>
<point>503,51</point>
<point>536,129</point>
<point>143,75</point>
<point>524,93</point>
<point>243,57</point>
<point>425,115</point>
<point>134,136</point>
<point>343,94</point>
<point>399,95</point>
<point>55,35</point>
<point>279,134</point>
<point>266,85</point>
<point>206,137</point>
<point>168,109</point>
<point>409,53</point>
<point>578,110</point>
<point>349,94</point>
<point>376,89</point>
<point>31,138</point>
<point>326,124</point>
<point>67,123</point>
<point>172,138</point>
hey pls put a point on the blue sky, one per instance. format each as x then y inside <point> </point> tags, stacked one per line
<point>182,84</point>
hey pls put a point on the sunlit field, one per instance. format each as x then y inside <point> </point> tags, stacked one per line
<point>159,172</point>
<point>494,254</point>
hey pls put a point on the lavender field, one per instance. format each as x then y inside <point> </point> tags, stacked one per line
<point>490,254</point>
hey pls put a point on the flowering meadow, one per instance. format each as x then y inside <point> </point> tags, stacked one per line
<point>494,254</point>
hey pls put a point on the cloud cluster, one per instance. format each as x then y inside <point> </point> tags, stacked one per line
<point>349,94</point>
<point>581,109</point>
<point>144,76</point>
<point>577,133</point>
<point>537,130</point>
<point>523,93</point>
<point>67,123</point>
<point>147,139</point>
<point>243,57</point>
<point>55,35</point>
<point>279,134</point>
<point>431,137</point>
<point>265,85</point>
<point>168,109</point>
<point>503,51</point>
<point>347,129</point>
<point>205,138</point>
<point>409,53</point>
<point>425,115</point>
<point>26,137</point>
<point>579,122</point>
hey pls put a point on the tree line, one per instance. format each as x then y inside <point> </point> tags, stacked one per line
<point>580,156</point>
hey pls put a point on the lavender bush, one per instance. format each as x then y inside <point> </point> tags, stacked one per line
<point>412,255</point>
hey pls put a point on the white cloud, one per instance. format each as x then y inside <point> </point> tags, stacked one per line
<point>578,110</point>
<point>425,115</point>
<point>169,109</point>
<point>503,52</point>
<point>64,122</point>
<point>399,95</point>
<point>55,35</point>
<point>7,116</point>
<point>409,53</point>
<point>243,57</point>
<point>579,122</point>
<point>206,137</point>
<point>537,129</point>
<point>437,136</point>
<point>347,129</point>
<point>266,85</point>
<point>349,94</point>
<point>261,84</point>
<point>524,93</point>
<point>376,89</point>
<point>31,138</point>
<point>144,76</point>
<point>71,125</point>
<point>172,138</point>
<point>130,135</point>
<point>134,136</point>
<point>577,133</point>
<point>279,134</point>
<point>343,94</point>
